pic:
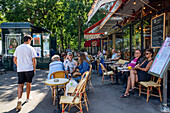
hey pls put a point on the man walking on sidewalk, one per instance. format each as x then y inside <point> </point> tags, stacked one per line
<point>24,58</point>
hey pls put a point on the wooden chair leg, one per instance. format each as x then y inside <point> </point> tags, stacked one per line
<point>81,110</point>
<point>88,84</point>
<point>69,107</point>
<point>102,79</point>
<point>54,93</point>
<point>85,96</point>
<point>148,94</point>
<point>140,89</point>
<point>112,79</point>
<point>159,89</point>
<point>85,100</point>
<point>91,85</point>
<point>62,108</point>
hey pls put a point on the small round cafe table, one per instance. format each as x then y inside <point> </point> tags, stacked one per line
<point>55,83</point>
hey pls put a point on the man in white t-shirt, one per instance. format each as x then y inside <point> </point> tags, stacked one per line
<point>24,58</point>
<point>69,64</point>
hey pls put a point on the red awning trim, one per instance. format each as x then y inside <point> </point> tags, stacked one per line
<point>93,26</point>
<point>95,43</point>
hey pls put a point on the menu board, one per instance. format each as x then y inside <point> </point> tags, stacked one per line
<point>157,31</point>
<point>162,60</point>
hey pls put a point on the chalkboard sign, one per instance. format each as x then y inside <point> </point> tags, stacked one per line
<point>157,31</point>
<point>162,60</point>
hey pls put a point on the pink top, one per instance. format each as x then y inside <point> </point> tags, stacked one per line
<point>133,62</point>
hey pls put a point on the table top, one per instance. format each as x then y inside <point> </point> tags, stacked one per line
<point>125,70</point>
<point>61,81</point>
<point>109,62</point>
<point>122,69</point>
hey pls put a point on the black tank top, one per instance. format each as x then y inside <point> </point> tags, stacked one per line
<point>145,64</point>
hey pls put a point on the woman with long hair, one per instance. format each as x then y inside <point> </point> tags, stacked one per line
<point>83,64</point>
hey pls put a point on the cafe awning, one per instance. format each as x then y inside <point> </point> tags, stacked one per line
<point>96,5</point>
<point>89,32</point>
<point>109,20</point>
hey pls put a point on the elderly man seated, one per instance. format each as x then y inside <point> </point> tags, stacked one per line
<point>55,65</point>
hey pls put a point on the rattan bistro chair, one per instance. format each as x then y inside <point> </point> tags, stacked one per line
<point>75,98</point>
<point>106,73</point>
<point>89,83</point>
<point>150,85</point>
<point>57,74</point>
<point>73,89</point>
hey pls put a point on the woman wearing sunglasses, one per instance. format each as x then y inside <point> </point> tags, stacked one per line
<point>140,73</point>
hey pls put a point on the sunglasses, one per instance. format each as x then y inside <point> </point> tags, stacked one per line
<point>147,53</point>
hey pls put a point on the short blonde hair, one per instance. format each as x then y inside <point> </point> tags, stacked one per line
<point>55,57</point>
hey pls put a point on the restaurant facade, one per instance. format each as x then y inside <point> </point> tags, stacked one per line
<point>134,24</point>
<point>128,29</point>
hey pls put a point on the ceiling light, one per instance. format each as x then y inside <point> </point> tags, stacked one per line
<point>134,2</point>
<point>143,7</point>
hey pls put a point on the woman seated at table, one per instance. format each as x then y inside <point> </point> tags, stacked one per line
<point>83,65</point>
<point>140,73</point>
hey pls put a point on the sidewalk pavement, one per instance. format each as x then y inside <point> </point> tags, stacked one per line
<point>105,99</point>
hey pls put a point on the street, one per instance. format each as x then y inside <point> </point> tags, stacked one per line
<point>104,99</point>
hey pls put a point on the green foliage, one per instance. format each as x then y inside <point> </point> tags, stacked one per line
<point>64,18</point>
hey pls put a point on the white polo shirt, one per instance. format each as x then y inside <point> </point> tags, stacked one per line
<point>25,53</point>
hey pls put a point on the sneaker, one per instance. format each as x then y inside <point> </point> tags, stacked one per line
<point>18,108</point>
<point>30,98</point>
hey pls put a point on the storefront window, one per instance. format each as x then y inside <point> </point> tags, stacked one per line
<point>119,43</point>
<point>147,33</point>
<point>126,44</point>
<point>136,36</point>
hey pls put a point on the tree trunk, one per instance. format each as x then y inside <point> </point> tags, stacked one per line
<point>61,36</point>
<point>65,38</point>
<point>79,33</point>
<point>69,42</point>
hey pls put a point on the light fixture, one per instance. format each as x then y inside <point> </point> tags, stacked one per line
<point>133,11</point>
<point>104,13</point>
<point>143,7</point>
<point>150,11</point>
<point>134,2</point>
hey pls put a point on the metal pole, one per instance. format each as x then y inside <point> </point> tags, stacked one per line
<point>130,41</point>
<point>91,46</point>
<point>100,45</point>
<point>165,108</point>
<point>142,36</point>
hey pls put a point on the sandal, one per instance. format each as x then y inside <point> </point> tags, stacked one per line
<point>125,95</point>
<point>132,91</point>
